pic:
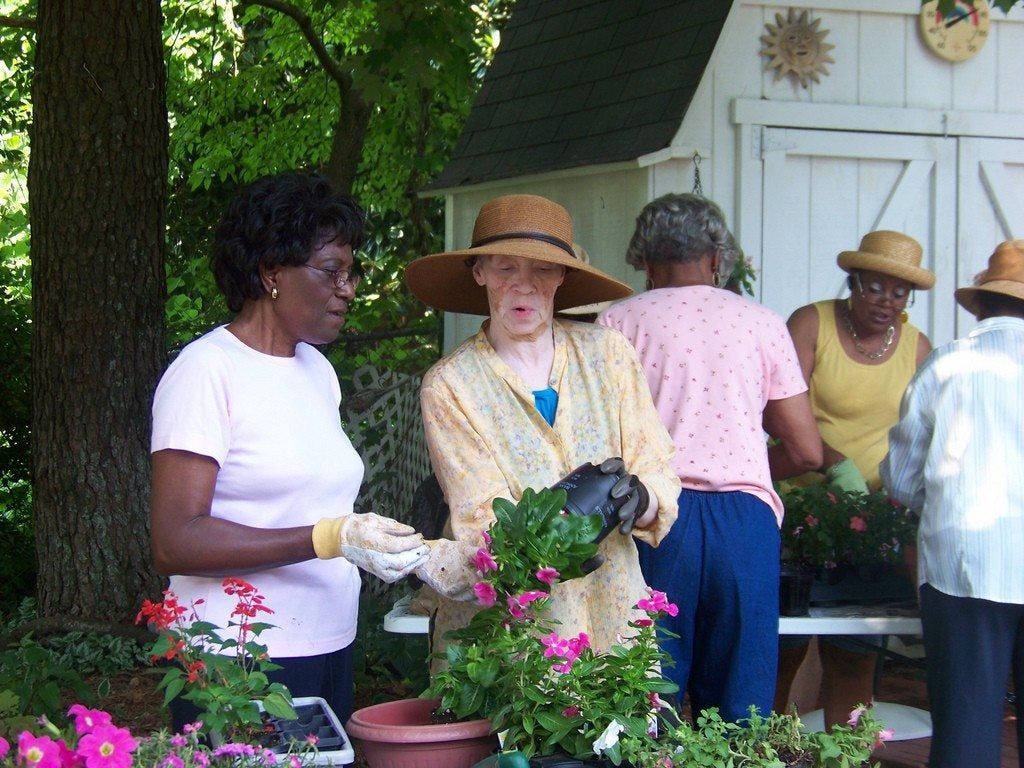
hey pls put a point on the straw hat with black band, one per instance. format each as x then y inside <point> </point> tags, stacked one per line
<point>889,253</point>
<point>1005,275</point>
<point>528,226</point>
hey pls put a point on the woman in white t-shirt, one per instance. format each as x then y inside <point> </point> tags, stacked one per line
<point>252,473</point>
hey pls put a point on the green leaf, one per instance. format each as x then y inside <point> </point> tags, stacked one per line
<point>280,706</point>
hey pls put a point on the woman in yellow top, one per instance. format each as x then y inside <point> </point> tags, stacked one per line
<point>528,399</point>
<point>858,355</point>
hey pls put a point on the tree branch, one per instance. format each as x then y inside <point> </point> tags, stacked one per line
<point>20,22</point>
<point>305,24</point>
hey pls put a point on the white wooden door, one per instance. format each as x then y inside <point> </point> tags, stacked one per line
<point>990,205</point>
<point>820,191</point>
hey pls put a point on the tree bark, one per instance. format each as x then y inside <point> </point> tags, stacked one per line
<point>97,179</point>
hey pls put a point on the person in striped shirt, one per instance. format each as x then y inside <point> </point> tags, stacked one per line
<point>957,457</point>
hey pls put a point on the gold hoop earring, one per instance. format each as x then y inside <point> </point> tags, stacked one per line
<point>904,316</point>
<point>273,292</point>
<point>716,279</point>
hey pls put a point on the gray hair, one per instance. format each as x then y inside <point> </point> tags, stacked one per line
<point>682,227</point>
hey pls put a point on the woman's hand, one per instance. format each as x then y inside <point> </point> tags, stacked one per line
<point>388,549</point>
<point>449,569</point>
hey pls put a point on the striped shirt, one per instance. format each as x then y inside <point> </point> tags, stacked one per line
<point>957,457</point>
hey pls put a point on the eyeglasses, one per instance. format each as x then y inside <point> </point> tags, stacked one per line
<point>875,292</point>
<point>341,278</point>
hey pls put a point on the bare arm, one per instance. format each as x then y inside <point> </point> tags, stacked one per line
<point>799,448</point>
<point>187,540</point>
<point>924,348</point>
<point>803,327</point>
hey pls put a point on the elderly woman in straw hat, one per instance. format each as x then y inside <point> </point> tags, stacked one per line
<point>858,355</point>
<point>955,457</point>
<point>528,399</point>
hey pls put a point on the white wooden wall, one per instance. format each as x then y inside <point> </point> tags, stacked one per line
<point>798,203</point>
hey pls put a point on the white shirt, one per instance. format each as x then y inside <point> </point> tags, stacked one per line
<point>273,427</point>
<point>957,457</point>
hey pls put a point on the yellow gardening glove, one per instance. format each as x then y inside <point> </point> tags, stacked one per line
<point>449,570</point>
<point>384,547</point>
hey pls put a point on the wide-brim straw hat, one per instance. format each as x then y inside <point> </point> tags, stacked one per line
<point>1005,275</point>
<point>529,226</point>
<point>890,253</point>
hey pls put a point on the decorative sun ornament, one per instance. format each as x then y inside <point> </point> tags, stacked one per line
<point>796,46</point>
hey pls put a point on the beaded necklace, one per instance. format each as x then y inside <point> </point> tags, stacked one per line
<point>878,354</point>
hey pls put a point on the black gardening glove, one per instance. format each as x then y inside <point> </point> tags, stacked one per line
<point>606,490</point>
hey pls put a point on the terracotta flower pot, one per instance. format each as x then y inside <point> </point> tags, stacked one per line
<point>400,734</point>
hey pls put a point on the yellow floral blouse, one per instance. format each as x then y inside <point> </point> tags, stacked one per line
<point>488,440</point>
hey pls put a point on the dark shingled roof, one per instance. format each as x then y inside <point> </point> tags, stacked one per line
<point>584,82</point>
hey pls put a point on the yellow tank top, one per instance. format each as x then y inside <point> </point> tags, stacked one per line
<point>854,403</point>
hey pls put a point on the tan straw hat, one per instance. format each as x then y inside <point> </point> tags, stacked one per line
<point>1005,274</point>
<point>585,309</point>
<point>513,225</point>
<point>890,253</point>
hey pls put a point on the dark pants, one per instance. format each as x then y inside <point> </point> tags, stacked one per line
<point>720,564</point>
<point>972,647</point>
<point>328,675</point>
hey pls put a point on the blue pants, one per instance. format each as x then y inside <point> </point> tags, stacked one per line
<point>328,675</point>
<point>972,646</point>
<point>720,564</point>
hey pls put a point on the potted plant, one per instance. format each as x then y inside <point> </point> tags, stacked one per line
<point>550,692</point>
<point>841,535</point>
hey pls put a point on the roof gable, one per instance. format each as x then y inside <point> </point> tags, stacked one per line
<point>584,82</point>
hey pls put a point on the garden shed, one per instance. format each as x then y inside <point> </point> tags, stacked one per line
<point>809,122</point>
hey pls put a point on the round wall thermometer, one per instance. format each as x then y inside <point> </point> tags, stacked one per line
<point>958,35</point>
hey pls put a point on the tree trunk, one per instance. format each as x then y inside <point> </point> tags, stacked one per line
<point>97,178</point>
<point>347,142</point>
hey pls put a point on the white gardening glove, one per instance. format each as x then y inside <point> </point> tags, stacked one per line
<point>449,570</point>
<point>388,549</point>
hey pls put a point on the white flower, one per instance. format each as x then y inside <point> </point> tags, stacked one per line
<point>609,738</point>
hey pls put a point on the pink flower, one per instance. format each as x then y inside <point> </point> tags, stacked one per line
<point>657,603</point>
<point>547,575</point>
<point>68,757</point>
<point>487,539</point>
<point>884,735</point>
<point>195,727</point>
<point>178,741</point>
<point>483,561</point>
<point>644,623</point>
<point>858,523</point>
<point>655,700</point>
<point>38,751</point>
<point>107,747</point>
<point>87,720</point>
<point>294,761</point>
<point>855,716</point>
<point>234,749</point>
<point>312,739</point>
<point>514,607</point>
<point>572,711</point>
<point>485,593</point>
<point>201,759</point>
<point>172,761</point>
<point>5,747</point>
<point>269,757</point>
<point>832,497</point>
<point>811,521</point>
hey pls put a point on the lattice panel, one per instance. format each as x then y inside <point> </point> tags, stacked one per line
<point>382,414</point>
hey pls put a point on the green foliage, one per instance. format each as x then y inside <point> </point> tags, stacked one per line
<point>32,679</point>
<point>91,653</point>
<point>17,555</point>
<point>946,7</point>
<point>387,666</point>
<point>825,527</point>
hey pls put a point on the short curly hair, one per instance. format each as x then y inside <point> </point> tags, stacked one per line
<point>681,227</point>
<point>279,220</point>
